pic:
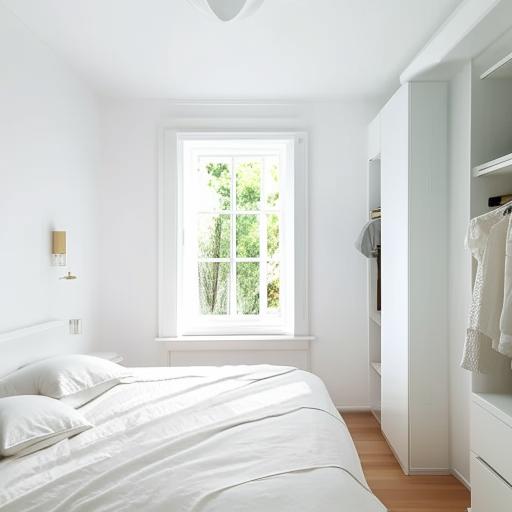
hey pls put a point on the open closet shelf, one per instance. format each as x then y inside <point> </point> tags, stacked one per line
<point>498,404</point>
<point>502,69</point>
<point>377,367</point>
<point>501,165</point>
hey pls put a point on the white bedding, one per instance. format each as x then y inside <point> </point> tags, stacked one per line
<point>248,439</point>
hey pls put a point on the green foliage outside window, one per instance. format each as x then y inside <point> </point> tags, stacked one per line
<point>215,236</point>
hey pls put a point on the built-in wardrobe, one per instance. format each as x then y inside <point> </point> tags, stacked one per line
<point>407,178</point>
<point>428,274</point>
<point>490,188</point>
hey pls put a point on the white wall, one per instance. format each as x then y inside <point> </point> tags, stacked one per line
<point>459,285</point>
<point>128,202</point>
<point>48,161</point>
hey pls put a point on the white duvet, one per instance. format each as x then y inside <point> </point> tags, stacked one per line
<point>248,439</point>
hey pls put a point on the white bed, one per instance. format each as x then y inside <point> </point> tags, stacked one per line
<point>254,438</point>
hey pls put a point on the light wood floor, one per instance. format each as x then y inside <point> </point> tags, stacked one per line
<point>398,492</point>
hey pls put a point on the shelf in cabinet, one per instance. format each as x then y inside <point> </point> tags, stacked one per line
<point>502,69</point>
<point>377,367</point>
<point>498,404</point>
<point>500,165</point>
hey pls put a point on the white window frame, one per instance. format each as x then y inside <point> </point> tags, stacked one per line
<point>171,183</point>
<point>190,147</point>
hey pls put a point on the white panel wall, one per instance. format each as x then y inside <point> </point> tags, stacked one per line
<point>128,298</point>
<point>395,262</point>
<point>48,160</point>
<point>428,276</point>
<point>459,271</point>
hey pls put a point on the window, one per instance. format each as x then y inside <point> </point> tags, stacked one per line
<point>237,246</point>
<point>233,234</point>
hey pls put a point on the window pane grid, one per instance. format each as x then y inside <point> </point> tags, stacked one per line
<point>236,214</point>
<point>249,274</point>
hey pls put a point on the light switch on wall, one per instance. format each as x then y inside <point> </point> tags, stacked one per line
<point>75,326</point>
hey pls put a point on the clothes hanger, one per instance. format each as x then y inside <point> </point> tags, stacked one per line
<point>501,201</point>
<point>507,210</point>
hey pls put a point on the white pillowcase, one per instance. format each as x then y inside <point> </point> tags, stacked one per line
<point>30,423</point>
<point>74,379</point>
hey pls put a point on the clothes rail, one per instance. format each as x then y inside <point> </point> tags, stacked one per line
<point>499,200</point>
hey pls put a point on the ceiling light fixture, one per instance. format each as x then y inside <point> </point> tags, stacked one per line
<point>227,10</point>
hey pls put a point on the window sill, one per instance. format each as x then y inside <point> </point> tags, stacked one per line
<point>242,342</point>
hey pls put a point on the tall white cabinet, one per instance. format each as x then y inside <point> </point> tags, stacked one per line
<point>413,187</point>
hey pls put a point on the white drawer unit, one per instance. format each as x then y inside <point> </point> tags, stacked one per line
<point>491,457</point>
<point>489,492</point>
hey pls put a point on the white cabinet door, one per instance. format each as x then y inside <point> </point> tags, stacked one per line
<point>395,320</point>
<point>489,492</point>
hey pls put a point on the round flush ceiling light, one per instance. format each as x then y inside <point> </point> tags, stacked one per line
<point>227,10</point>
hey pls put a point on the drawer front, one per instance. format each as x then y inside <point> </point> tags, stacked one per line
<point>491,440</point>
<point>489,493</point>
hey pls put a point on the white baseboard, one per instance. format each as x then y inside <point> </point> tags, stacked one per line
<point>353,408</point>
<point>430,471</point>
<point>462,480</point>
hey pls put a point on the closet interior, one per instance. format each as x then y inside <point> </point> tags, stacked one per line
<point>374,271</point>
<point>490,187</point>
<point>440,158</point>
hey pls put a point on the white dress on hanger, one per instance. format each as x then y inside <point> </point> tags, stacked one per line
<point>486,239</point>
<point>505,344</point>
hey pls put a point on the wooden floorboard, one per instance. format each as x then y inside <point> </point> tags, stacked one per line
<point>401,493</point>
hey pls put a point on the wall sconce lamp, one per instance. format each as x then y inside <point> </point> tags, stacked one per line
<point>59,248</point>
<point>59,252</point>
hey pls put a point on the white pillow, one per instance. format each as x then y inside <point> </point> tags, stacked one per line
<point>30,423</point>
<point>74,379</point>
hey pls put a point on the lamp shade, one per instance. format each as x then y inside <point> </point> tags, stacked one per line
<point>59,248</point>
<point>59,242</point>
<point>227,10</point>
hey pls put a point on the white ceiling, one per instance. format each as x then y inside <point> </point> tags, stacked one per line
<point>289,49</point>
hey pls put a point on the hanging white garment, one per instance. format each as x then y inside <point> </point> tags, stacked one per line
<point>369,239</point>
<point>486,239</point>
<point>505,344</point>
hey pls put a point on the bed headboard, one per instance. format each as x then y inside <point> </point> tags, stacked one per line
<point>23,346</point>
